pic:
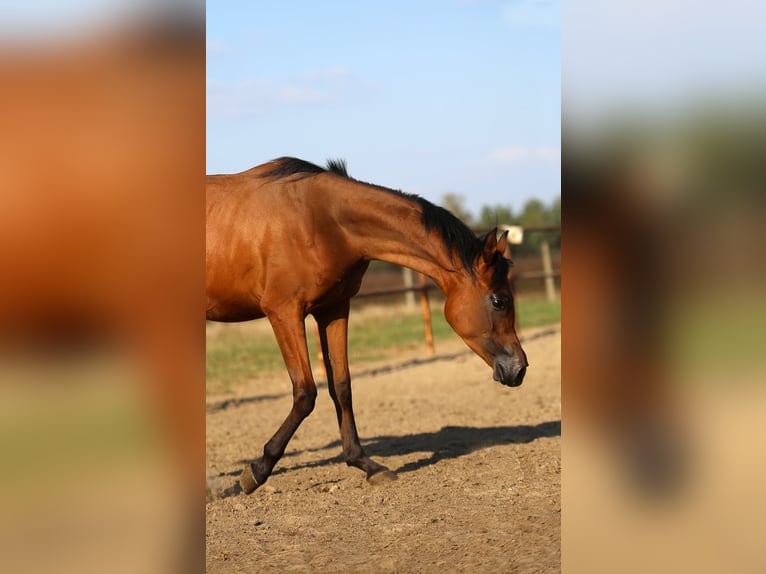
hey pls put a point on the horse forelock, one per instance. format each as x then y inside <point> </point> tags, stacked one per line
<point>501,268</point>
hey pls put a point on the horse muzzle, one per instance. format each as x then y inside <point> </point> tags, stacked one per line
<point>509,371</point>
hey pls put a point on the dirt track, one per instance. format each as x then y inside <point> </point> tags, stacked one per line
<point>478,467</point>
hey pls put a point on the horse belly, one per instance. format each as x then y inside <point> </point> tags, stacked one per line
<point>233,313</point>
<point>232,301</point>
<point>340,288</point>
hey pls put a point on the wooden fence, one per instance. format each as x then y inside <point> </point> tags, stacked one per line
<point>423,286</point>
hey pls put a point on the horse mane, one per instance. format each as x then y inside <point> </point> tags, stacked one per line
<point>456,235</point>
<point>291,166</point>
<point>338,167</point>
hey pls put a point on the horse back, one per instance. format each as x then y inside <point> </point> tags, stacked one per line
<point>272,243</point>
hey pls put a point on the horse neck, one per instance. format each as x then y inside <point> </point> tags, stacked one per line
<point>388,227</point>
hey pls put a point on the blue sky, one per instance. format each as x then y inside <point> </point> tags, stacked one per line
<point>440,96</point>
<point>660,56</point>
<point>428,96</point>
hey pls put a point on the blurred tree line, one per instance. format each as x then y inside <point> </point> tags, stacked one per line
<point>534,212</point>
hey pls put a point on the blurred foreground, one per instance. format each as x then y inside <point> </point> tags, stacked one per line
<point>101,330</point>
<point>662,303</point>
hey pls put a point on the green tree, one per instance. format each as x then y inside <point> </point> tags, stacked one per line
<point>455,203</point>
<point>534,213</point>
<point>492,215</point>
<point>555,211</point>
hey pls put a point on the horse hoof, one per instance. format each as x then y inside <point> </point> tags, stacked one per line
<point>247,480</point>
<point>381,477</point>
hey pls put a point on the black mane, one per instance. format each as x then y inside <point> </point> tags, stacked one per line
<point>338,167</point>
<point>287,166</point>
<point>455,234</point>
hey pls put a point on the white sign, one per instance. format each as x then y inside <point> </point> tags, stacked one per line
<point>515,233</point>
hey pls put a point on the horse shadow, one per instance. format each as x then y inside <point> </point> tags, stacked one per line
<point>449,442</point>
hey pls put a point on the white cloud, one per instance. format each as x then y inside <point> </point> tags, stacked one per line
<point>216,48</point>
<point>523,154</point>
<point>241,98</point>
<point>304,95</point>
<point>329,74</point>
<point>250,97</point>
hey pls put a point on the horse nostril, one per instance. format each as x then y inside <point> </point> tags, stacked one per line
<point>520,376</point>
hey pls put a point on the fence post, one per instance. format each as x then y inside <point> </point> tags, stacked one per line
<point>426,315</point>
<point>408,275</point>
<point>320,354</point>
<point>550,288</point>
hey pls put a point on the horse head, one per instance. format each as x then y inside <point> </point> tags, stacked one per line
<point>480,309</point>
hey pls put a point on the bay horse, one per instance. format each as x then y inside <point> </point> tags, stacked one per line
<point>289,238</point>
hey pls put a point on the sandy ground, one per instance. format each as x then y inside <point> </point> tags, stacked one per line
<point>478,465</point>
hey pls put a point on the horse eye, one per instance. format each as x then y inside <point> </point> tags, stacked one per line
<point>499,302</point>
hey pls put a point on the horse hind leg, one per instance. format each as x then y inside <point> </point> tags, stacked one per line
<point>291,335</point>
<point>333,337</point>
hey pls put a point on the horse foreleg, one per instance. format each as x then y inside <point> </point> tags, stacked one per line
<point>290,333</point>
<point>333,336</point>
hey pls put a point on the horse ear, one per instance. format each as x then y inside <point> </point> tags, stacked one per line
<point>493,244</point>
<point>490,245</point>
<point>502,244</point>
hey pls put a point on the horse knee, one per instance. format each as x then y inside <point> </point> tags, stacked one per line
<point>304,400</point>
